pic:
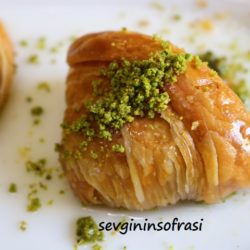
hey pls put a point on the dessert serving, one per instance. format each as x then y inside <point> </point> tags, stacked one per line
<point>147,125</point>
<point>6,64</point>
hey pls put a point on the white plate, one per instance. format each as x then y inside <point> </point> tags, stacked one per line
<point>225,225</point>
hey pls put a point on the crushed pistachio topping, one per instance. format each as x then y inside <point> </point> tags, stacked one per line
<point>198,62</point>
<point>137,90</point>
<point>34,204</point>
<point>118,148</point>
<point>87,231</point>
<point>23,225</point>
<point>12,188</point>
<point>39,168</point>
<point>37,111</point>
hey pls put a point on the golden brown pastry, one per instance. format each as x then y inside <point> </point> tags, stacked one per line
<point>6,64</point>
<point>196,147</point>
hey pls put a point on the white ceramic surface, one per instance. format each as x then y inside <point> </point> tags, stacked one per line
<point>225,225</point>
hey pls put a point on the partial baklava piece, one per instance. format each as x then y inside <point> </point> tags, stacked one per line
<point>6,64</point>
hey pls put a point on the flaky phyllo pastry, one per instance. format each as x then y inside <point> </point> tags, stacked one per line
<point>148,125</point>
<point>6,64</point>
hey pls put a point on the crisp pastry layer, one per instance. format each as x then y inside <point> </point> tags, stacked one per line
<point>6,64</point>
<point>197,149</point>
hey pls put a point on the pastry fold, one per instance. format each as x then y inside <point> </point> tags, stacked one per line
<point>197,149</point>
<point>6,64</point>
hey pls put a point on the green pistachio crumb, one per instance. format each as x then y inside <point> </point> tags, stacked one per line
<point>37,111</point>
<point>43,186</point>
<point>41,140</point>
<point>50,202</point>
<point>45,86</point>
<point>58,147</point>
<point>118,148</point>
<point>54,50</point>
<point>61,176</point>
<point>34,204</point>
<point>33,59</point>
<point>121,223</point>
<point>38,168</point>
<point>28,99</point>
<point>23,225</point>
<point>87,231</point>
<point>83,145</point>
<point>48,176</point>
<point>93,155</point>
<point>12,188</point>
<point>77,155</point>
<point>32,193</point>
<point>177,17</point>
<point>124,29</point>
<point>23,43</point>
<point>97,247</point>
<point>248,55</point>
<point>124,248</point>
<point>229,196</point>
<point>36,121</point>
<point>171,247</point>
<point>61,192</point>
<point>41,43</point>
